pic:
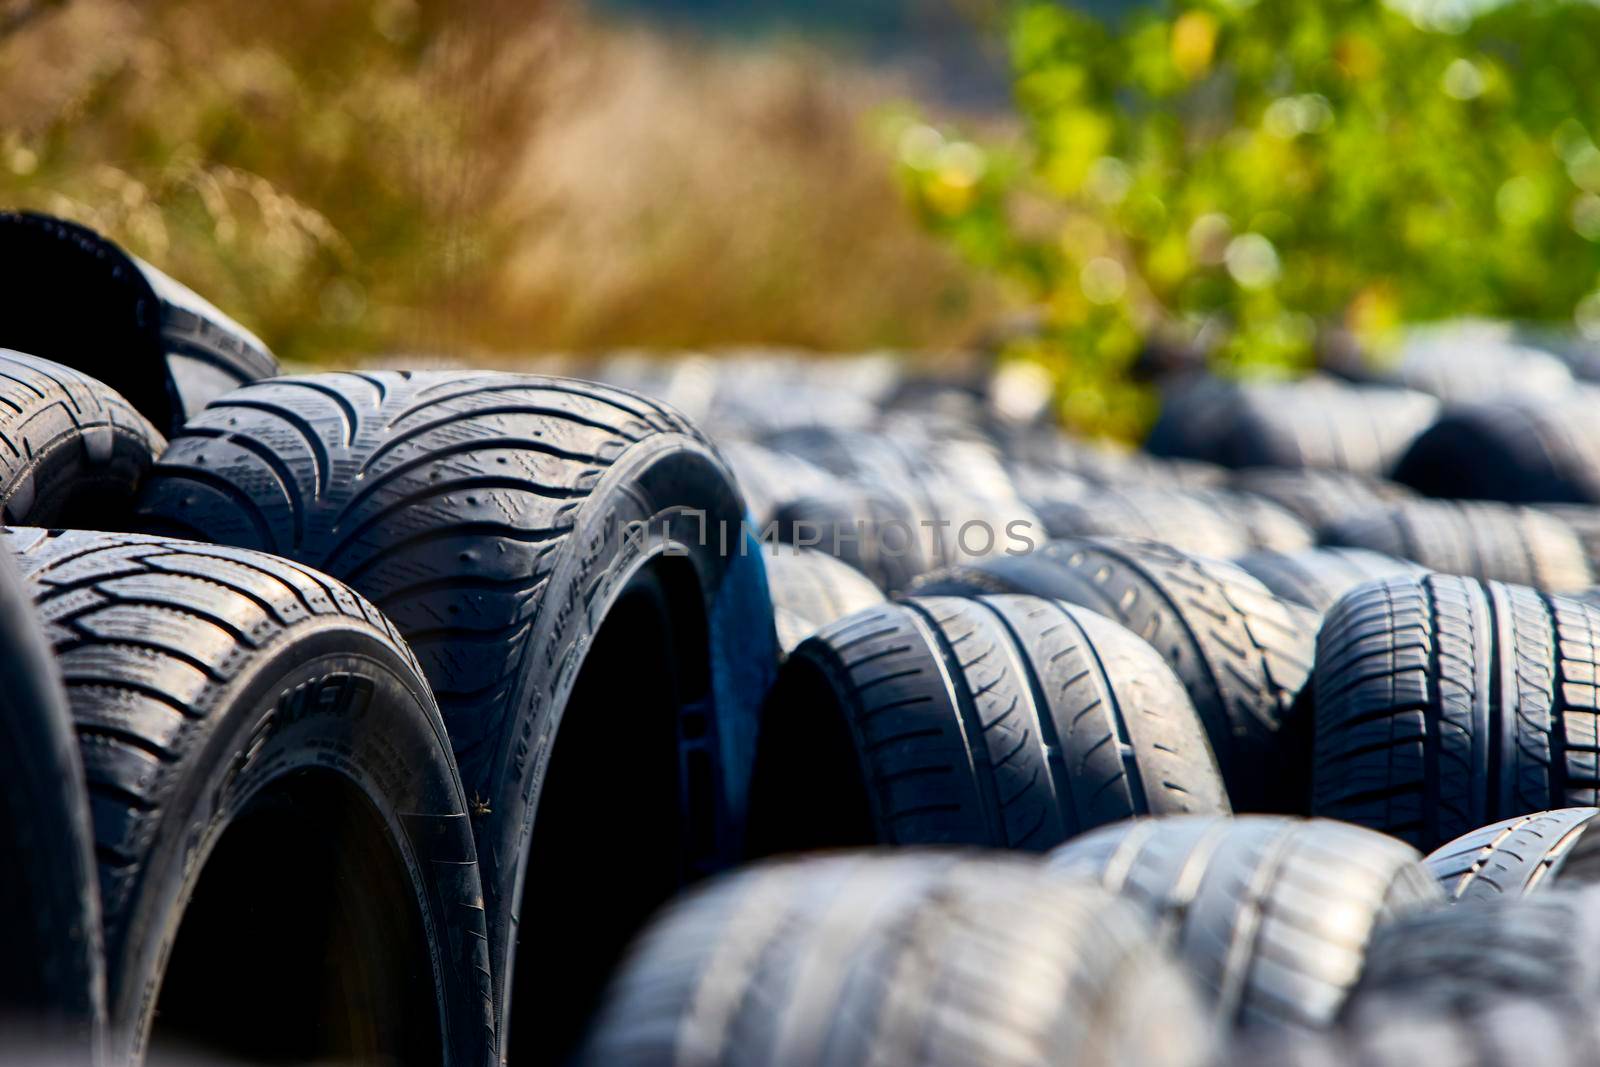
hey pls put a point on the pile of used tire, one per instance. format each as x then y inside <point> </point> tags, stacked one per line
<point>782,711</point>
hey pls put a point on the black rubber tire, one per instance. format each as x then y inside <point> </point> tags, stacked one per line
<point>1584,521</point>
<point>811,589</point>
<point>1317,577</point>
<point>875,530</point>
<point>1271,914</point>
<point>1241,653</point>
<point>1519,450</point>
<point>1476,539</point>
<point>72,452</point>
<point>1203,522</point>
<point>1511,1032</point>
<point>1317,498</point>
<point>1003,721</point>
<point>771,479</point>
<point>1319,423</point>
<point>1468,361</point>
<point>52,973</point>
<point>75,297</point>
<point>1460,960</point>
<point>1444,703</point>
<point>1520,855</point>
<point>270,781</point>
<point>569,563</point>
<point>902,958</point>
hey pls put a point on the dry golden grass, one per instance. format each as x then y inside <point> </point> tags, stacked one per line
<point>490,178</point>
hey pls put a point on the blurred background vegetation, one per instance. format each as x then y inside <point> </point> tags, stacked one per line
<point>1242,183</point>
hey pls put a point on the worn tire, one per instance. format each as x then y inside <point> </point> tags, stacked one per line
<point>771,479</point>
<point>72,452</point>
<point>811,589</point>
<point>1242,654</point>
<point>1203,522</point>
<point>1461,960</point>
<point>1322,424</point>
<point>568,562</point>
<point>1520,450</point>
<point>909,958</point>
<point>77,298</point>
<point>871,528</point>
<point>1271,914</point>
<point>1520,855</point>
<point>52,978</point>
<point>1318,577</point>
<point>270,781</point>
<point>1444,703</point>
<point>1003,721</point>
<point>1317,498</point>
<point>1476,539</point>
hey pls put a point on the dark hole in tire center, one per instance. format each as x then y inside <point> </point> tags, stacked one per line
<point>303,941</point>
<point>627,815</point>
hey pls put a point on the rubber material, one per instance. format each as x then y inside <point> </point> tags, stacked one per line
<point>520,530</point>
<point>810,589</point>
<point>1318,498</point>
<point>76,298</point>
<point>1002,721</point>
<point>1272,915</point>
<point>1318,577</point>
<point>1480,540</point>
<point>72,452</point>
<point>1518,856</point>
<point>1204,522</point>
<point>1241,653</point>
<point>217,691</point>
<point>1522,450</point>
<point>1444,704</point>
<point>52,976</point>
<point>907,958</point>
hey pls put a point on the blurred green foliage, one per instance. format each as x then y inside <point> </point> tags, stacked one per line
<point>1242,178</point>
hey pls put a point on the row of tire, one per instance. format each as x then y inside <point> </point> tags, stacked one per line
<point>394,703</point>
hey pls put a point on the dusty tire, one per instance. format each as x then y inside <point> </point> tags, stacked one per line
<point>259,743</point>
<point>771,479</point>
<point>535,540</point>
<point>1317,497</point>
<point>1518,856</point>
<point>52,978</point>
<point>1523,451</point>
<point>1242,654</point>
<point>910,958</point>
<point>1203,522</point>
<point>1271,914</point>
<point>1317,577</point>
<point>1461,960</point>
<point>871,528</point>
<point>72,452</point>
<point>1444,704</point>
<point>1002,721</point>
<point>811,589</point>
<point>1479,540</point>
<point>80,300</point>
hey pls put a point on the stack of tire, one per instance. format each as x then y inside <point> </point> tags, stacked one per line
<point>467,717</point>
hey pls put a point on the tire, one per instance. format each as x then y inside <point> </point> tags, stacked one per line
<point>810,590</point>
<point>1518,856</point>
<point>1512,1032</point>
<point>1317,577</point>
<point>1205,523</point>
<point>1444,704</point>
<point>1466,361</point>
<point>52,978</point>
<point>72,452</point>
<point>1479,540</point>
<point>1317,498</point>
<point>1320,424</point>
<point>1461,960</point>
<point>771,479</point>
<point>909,958</point>
<point>270,781</point>
<point>554,552</point>
<point>1272,915</point>
<point>872,529</point>
<point>1519,450</point>
<point>80,300</point>
<point>1006,721</point>
<point>1241,653</point>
